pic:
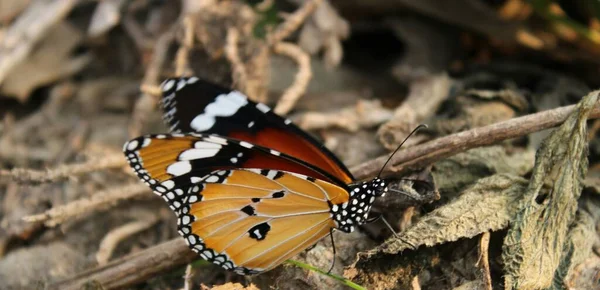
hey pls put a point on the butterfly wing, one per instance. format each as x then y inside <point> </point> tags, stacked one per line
<point>252,220</point>
<point>194,105</point>
<point>166,160</point>
<point>246,220</point>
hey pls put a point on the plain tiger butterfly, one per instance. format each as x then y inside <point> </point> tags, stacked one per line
<point>250,189</point>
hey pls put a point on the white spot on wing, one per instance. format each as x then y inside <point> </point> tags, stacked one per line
<point>246,144</point>
<point>132,145</point>
<point>180,84</point>
<point>179,168</point>
<point>192,154</point>
<point>212,178</point>
<point>262,107</point>
<point>168,184</point>
<point>225,105</point>
<point>167,85</point>
<point>192,80</point>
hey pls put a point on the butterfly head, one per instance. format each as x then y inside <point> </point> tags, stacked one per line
<point>356,210</point>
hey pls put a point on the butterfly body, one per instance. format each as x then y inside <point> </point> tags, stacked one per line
<point>250,190</point>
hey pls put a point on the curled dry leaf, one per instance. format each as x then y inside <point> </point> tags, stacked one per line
<point>533,249</point>
<point>59,41</point>
<point>487,206</point>
<point>27,30</point>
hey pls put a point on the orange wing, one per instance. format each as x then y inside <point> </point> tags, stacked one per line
<point>251,220</point>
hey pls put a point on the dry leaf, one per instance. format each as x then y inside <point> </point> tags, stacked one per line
<point>489,205</point>
<point>41,69</point>
<point>533,247</point>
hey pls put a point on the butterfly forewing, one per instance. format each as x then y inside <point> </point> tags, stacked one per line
<point>194,105</point>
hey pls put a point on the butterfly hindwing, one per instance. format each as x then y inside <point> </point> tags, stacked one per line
<point>193,105</point>
<point>251,220</point>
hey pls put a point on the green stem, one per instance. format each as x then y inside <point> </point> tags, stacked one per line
<point>339,278</point>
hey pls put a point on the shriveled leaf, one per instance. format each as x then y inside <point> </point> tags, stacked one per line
<point>578,248</point>
<point>487,206</point>
<point>40,69</point>
<point>533,247</point>
<point>452,174</point>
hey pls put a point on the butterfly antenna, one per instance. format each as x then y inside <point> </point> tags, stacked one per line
<point>399,146</point>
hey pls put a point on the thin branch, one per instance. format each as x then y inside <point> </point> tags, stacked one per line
<point>484,260</point>
<point>133,269</point>
<point>99,201</point>
<point>294,21</point>
<point>146,103</point>
<point>137,268</point>
<point>303,76</point>
<point>424,154</point>
<point>240,76</point>
<point>181,59</point>
<point>110,242</point>
<point>23,175</point>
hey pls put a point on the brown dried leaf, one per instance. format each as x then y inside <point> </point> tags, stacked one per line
<point>533,247</point>
<point>41,69</point>
<point>578,249</point>
<point>452,174</point>
<point>487,206</point>
<point>27,30</point>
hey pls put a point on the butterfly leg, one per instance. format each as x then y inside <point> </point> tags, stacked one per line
<point>378,216</point>
<point>333,245</point>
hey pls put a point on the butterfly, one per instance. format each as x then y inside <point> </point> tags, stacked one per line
<point>250,189</point>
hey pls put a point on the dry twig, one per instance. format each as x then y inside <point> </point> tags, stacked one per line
<point>298,88</point>
<point>147,102</point>
<point>189,274</point>
<point>484,260</point>
<point>294,21</point>
<point>181,59</point>
<point>100,200</point>
<point>240,77</point>
<point>111,240</point>
<point>432,151</point>
<point>23,175</point>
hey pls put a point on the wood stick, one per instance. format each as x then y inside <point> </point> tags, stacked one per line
<point>138,267</point>
<point>427,153</point>
<point>134,268</point>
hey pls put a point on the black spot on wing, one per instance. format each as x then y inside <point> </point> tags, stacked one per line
<point>278,194</point>
<point>249,210</point>
<point>256,199</point>
<point>259,232</point>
